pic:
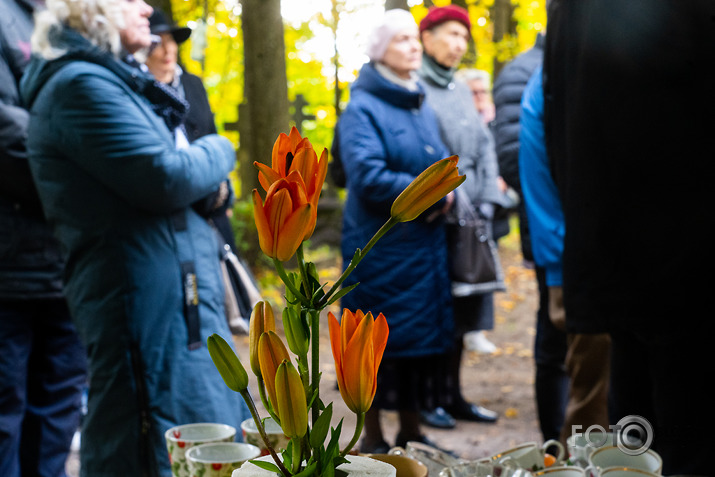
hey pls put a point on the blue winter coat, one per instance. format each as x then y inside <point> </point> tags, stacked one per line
<point>388,136</point>
<point>115,189</point>
<point>541,196</point>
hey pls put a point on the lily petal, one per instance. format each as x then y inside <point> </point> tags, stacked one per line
<point>271,353</point>
<point>426,189</point>
<point>265,235</point>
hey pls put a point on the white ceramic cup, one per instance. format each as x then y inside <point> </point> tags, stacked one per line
<point>484,468</point>
<point>219,459</point>
<point>275,435</point>
<point>435,459</point>
<point>561,471</point>
<point>613,456</point>
<point>626,472</point>
<point>179,439</point>
<point>580,446</point>
<point>530,455</point>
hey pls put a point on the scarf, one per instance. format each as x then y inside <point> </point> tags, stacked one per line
<point>435,72</point>
<point>409,84</point>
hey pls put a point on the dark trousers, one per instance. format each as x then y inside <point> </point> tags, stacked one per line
<point>669,383</point>
<point>42,376</point>
<point>552,382</point>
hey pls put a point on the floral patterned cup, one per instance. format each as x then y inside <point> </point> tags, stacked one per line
<point>180,439</point>
<point>219,459</point>
<point>278,440</point>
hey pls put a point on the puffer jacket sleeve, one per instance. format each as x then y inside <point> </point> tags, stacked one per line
<point>364,157</point>
<point>508,88</point>
<point>129,151</point>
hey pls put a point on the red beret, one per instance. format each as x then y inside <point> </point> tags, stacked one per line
<point>438,15</point>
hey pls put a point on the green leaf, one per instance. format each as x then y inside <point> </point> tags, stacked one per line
<point>269,466</point>
<point>337,460</point>
<point>341,293</point>
<point>227,363</point>
<point>321,427</point>
<point>307,471</point>
<point>333,448</point>
<point>288,455</point>
<point>312,398</point>
<point>328,470</point>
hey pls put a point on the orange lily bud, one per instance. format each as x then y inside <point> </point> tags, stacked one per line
<point>291,405</point>
<point>261,320</point>
<point>271,353</point>
<point>295,153</point>
<point>358,343</point>
<point>284,219</point>
<point>435,182</point>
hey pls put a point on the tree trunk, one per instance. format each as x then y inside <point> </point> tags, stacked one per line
<point>470,56</point>
<point>265,108</point>
<point>502,12</point>
<point>163,5</point>
<point>265,83</point>
<point>392,4</point>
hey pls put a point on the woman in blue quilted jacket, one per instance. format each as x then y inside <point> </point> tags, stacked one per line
<point>387,136</point>
<point>142,277</point>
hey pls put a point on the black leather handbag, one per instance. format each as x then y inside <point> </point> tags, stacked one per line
<point>472,253</point>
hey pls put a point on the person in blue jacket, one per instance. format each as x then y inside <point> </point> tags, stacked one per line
<point>142,278</point>
<point>43,370</point>
<point>587,356</point>
<point>388,136</point>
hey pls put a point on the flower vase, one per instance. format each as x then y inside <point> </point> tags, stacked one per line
<point>358,466</point>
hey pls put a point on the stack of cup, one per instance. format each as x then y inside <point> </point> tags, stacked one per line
<point>180,439</point>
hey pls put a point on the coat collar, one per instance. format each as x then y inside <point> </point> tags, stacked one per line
<point>377,85</point>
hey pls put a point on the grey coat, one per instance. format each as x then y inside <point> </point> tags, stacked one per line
<point>465,134</point>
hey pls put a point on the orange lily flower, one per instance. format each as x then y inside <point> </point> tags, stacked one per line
<point>284,219</point>
<point>271,353</point>
<point>295,153</point>
<point>358,343</point>
<point>261,320</point>
<point>435,182</point>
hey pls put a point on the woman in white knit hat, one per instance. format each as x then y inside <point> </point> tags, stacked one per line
<point>386,137</point>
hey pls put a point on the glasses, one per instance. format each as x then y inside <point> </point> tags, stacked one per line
<point>479,92</point>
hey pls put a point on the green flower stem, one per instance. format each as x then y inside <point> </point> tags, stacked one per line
<point>297,456</point>
<point>315,360</point>
<point>266,402</point>
<point>288,282</point>
<point>358,430</point>
<point>259,425</point>
<point>303,271</point>
<point>359,255</point>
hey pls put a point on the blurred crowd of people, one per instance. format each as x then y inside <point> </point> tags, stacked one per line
<point>114,203</point>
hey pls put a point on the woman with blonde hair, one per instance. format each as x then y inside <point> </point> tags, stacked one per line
<point>142,278</point>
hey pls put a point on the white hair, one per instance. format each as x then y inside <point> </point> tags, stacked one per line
<point>470,74</point>
<point>99,21</point>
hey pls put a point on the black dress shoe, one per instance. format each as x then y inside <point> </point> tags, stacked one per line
<point>472,412</point>
<point>439,418</point>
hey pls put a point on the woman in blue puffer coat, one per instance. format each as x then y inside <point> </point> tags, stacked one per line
<point>142,275</point>
<point>388,136</point>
